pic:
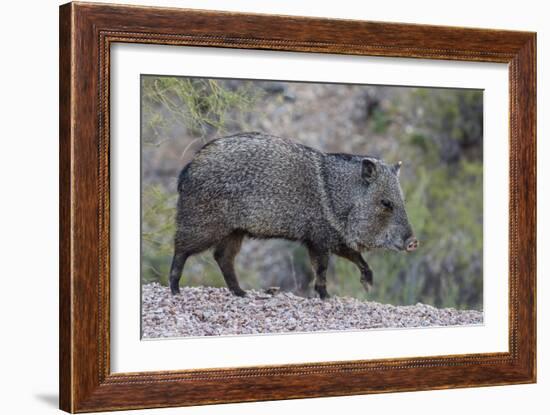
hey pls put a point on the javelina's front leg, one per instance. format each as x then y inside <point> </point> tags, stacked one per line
<point>319,262</point>
<point>356,257</point>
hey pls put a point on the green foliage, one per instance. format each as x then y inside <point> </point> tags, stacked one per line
<point>380,121</point>
<point>196,104</point>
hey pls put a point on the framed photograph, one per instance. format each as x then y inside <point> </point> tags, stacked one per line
<point>258,207</point>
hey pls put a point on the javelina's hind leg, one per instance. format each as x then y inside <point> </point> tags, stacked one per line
<point>175,271</point>
<point>188,241</point>
<point>319,262</point>
<point>357,259</point>
<point>224,254</point>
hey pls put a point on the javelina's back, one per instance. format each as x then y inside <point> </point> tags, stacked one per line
<point>264,185</point>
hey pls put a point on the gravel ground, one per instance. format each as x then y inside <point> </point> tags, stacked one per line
<point>208,311</point>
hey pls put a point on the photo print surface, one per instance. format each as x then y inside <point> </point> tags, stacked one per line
<point>287,207</point>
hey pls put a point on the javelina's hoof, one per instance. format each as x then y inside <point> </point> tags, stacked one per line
<point>322,291</point>
<point>366,285</point>
<point>238,292</point>
<point>366,280</point>
<point>175,289</point>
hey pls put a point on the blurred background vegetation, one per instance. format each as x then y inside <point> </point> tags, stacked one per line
<point>436,132</point>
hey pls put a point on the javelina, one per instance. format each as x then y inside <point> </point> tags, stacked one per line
<point>262,186</point>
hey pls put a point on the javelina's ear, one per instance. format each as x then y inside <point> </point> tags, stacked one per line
<point>368,169</point>
<point>396,168</point>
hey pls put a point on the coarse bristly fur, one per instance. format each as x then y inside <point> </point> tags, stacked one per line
<point>263,186</point>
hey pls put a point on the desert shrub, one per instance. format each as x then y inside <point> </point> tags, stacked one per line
<point>194,105</point>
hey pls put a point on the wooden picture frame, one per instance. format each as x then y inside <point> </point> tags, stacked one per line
<point>86,33</point>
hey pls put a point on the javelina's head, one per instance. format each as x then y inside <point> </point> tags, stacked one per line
<point>379,219</point>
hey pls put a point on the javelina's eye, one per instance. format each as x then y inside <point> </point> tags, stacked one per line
<point>387,204</point>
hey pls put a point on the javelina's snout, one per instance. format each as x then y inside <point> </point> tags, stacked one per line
<point>411,244</point>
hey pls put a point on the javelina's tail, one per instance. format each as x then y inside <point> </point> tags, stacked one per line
<point>182,177</point>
